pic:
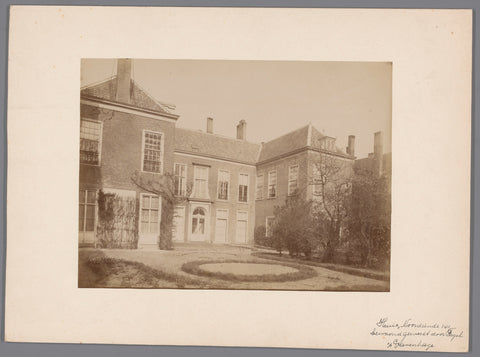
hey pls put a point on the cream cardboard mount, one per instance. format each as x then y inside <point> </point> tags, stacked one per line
<point>427,307</point>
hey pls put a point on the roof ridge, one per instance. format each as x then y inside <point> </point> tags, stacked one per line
<point>94,84</point>
<point>200,131</point>
<point>164,106</point>
<point>290,132</point>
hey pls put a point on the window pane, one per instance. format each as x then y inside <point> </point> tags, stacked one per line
<point>152,152</point>
<point>145,201</point>
<point>154,202</point>
<point>90,212</point>
<point>194,224</point>
<point>91,196</point>
<point>89,224</point>
<point>81,196</point>
<point>153,216</point>
<point>89,142</point>
<point>81,217</point>
<point>145,215</point>
<point>144,227</point>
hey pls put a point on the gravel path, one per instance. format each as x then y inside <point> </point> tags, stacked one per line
<point>171,261</point>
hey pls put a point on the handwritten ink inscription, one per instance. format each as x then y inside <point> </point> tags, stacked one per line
<point>414,335</point>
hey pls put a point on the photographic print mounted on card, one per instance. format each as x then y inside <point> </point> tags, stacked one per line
<point>173,193</point>
<point>203,166</point>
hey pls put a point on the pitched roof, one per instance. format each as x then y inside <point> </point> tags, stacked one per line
<point>139,98</point>
<point>304,137</point>
<point>284,144</point>
<point>197,142</point>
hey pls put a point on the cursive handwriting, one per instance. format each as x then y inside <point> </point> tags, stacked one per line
<point>413,335</point>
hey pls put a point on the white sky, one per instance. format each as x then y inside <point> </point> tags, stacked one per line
<point>274,97</point>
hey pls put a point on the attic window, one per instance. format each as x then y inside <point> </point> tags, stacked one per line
<point>327,143</point>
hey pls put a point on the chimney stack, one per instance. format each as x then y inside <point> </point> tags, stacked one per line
<point>242,130</point>
<point>124,76</point>
<point>351,145</point>
<point>378,151</point>
<point>210,125</point>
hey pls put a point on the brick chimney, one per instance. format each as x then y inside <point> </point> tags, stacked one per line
<point>378,151</point>
<point>210,125</point>
<point>124,76</point>
<point>351,145</point>
<point>242,130</point>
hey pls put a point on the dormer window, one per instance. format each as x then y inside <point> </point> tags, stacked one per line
<point>327,143</point>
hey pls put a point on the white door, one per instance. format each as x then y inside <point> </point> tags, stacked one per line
<point>242,220</point>
<point>199,225</point>
<point>86,216</point>
<point>149,219</point>
<point>221,226</point>
<point>179,224</point>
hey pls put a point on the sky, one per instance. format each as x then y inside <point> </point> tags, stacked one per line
<point>273,97</point>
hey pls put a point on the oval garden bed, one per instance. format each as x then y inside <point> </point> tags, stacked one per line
<point>249,271</point>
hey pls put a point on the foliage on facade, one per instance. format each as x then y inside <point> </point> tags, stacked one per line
<point>117,225</point>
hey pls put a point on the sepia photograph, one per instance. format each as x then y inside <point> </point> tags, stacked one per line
<point>221,174</point>
<point>199,171</point>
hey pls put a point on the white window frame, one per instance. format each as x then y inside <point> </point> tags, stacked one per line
<point>99,141</point>
<point>266,226</point>
<point>269,183</point>
<point>184,184</point>
<point>290,180</point>
<point>248,187</point>
<point>246,226</point>
<point>262,180</point>
<point>85,204</point>
<point>149,209</point>
<point>162,144</point>
<point>195,188</point>
<point>218,185</point>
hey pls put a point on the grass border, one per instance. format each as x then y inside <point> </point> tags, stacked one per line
<point>102,265</point>
<point>330,266</point>
<point>303,272</point>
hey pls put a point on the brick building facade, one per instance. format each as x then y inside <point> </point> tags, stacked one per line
<point>229,186</point>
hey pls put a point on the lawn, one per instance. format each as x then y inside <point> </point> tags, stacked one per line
<point>213,267</point>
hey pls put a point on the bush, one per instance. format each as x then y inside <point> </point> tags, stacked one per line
<point>295,229</point>
<point>261,239</point>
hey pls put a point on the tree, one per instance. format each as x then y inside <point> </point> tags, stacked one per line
<point>369,218</point>
<point>294,228</point>
<point>163,186</point>
<point>332,181</point>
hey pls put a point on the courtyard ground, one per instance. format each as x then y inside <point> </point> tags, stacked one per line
<point>124,268</point>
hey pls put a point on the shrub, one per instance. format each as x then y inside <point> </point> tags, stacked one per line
<point>295,229</point>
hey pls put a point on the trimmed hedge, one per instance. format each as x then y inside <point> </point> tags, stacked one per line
<point>303,272</point>
<point>331,266</point>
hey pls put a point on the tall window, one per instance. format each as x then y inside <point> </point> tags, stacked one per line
<point>90,137</point>
<point>269,226</point>
<point>272,184</point>
<point>243,187</point>
<point>86,210</point>
<point>200,184</point>
<point>292,179</point>
<point>198,221</point>
<point>150,217</point>
<point>152,152</point>
<point>180,179</point>
<point>317,177</point>
<point>259,188</point>
<point>223,184</point>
